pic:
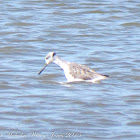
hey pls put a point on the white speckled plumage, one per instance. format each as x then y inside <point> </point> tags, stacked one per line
<point>73,71</point>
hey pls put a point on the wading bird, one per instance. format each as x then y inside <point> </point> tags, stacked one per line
<point>73,71</point>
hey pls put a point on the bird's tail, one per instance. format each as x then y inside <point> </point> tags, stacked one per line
<point>106,75</point>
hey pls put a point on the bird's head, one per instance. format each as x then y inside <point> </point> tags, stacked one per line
<point>48,59</point>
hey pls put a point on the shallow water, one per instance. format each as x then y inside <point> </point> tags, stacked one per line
<point>101,34</point>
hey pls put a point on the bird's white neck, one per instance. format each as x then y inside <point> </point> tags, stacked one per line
<point>60,62</point>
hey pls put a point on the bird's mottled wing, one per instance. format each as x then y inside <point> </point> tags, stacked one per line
<point>82,72</point>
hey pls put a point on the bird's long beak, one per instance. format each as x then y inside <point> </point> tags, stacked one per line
<point>43,68</point>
